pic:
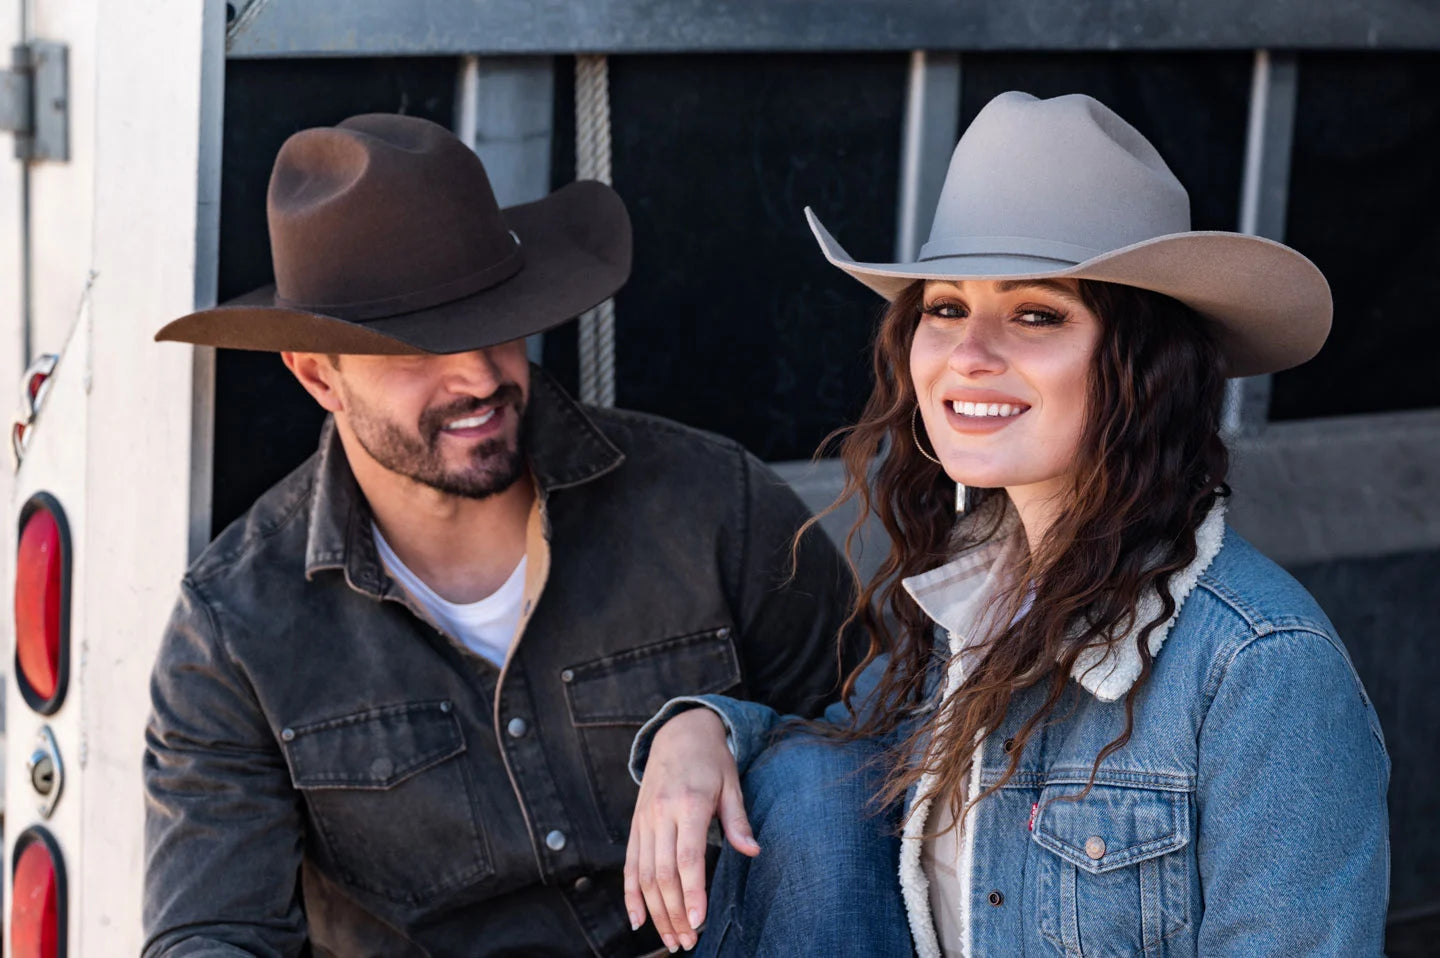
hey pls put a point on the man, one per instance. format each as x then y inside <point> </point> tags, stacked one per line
<point>393,708</point>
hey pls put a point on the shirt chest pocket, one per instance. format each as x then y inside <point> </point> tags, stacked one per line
<point>611,697</point>
<point>390,800</point>
<point>1112,869</point>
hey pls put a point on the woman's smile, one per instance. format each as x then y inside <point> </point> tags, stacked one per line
<point>982,410</point>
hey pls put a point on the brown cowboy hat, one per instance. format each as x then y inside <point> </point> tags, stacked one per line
<point>386,238</point>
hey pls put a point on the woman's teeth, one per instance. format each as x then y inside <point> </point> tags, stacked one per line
<point>473,421</point>
<point>986,409</point>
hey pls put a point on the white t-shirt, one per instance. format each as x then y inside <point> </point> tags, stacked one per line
<point>487,627</point>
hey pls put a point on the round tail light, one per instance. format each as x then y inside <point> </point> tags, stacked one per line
<point>42,604</point>
<point>37,904</point>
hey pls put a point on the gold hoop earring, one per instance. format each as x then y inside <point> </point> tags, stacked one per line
<point>915,434</point>
<point>960,497</point>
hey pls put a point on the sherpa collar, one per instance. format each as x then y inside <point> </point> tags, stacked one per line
<point>957,593</point>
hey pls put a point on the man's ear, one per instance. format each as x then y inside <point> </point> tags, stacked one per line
<point>319,375</point>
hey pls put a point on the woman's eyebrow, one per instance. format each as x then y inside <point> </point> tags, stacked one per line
<point>1050,285</point>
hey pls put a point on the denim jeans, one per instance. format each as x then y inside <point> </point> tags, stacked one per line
<point>824,881</point>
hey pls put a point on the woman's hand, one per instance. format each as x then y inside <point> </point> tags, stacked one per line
<point>690,777</point>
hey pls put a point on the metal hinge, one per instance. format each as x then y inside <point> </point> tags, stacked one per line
<point>35,102</point>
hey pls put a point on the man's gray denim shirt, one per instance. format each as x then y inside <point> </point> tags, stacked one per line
<point>327,774</point>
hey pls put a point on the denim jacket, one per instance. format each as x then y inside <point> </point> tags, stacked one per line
<point>1246,815</point>
<point>326,773</point>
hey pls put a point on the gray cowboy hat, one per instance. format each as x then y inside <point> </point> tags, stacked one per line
<point>1065,188</point>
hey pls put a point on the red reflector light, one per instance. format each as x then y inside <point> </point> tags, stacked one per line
<point>42,586</point>
<point>37,909</point>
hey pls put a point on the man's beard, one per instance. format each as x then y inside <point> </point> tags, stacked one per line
<point>493,466</point>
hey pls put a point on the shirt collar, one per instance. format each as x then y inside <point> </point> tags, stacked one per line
<point>564,445</point>
<point>956,594</point>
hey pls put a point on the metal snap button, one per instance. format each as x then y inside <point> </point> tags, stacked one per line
<point>1009,745</point>
<point>517,727</point>
<point>723,633</point>
<point>1095,847</point>
<point>583,884</point>
<point>996,898</point>
<point>382,767</point>
<point>567,676</point>
<point>288,734</point>
<point>555,841</point>
<point>445,707</point>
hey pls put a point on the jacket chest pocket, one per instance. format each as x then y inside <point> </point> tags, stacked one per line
<point>390,797</point>
<point>611,697</point>
<point>1112,876</point>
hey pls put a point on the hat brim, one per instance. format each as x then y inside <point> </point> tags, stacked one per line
<point>1270,305</point>
<point>576,244</point>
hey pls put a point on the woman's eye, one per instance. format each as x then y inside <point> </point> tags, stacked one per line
<point>1040,317</point>
<point>944,311</point>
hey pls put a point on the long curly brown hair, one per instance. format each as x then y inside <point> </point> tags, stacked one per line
<point>1150,466</point>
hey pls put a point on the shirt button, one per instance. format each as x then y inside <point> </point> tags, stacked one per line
<point>517,727</point>
<point>288,734</point>
<point>1009,745</point>
<point>583,884</point>
<point>567,676</point>
<point>555,841</point>
<point>445,707</point>
<point>996,898</point>
<point>382,767</point>
<point>1095,847</point>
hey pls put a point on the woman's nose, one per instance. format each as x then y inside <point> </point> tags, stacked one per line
<point>977,352</point>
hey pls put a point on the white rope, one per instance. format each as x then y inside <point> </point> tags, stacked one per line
<point>592,162</point>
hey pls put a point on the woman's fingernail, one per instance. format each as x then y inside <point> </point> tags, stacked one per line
<point>688,941</point>
<point>634,922</point>
<point>694,918</point>
<point>670,945</point>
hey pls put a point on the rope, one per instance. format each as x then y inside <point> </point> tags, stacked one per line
<point>592,162</point>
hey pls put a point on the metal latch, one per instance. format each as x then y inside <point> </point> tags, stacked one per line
<point>46,771</point>
<point>35,101</point>
<point>33,387</point>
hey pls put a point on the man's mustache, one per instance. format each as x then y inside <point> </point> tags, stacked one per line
<point>435,418</point>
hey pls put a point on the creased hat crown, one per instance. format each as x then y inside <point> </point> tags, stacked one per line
<point>1062,179</point>
<point>358,191</point>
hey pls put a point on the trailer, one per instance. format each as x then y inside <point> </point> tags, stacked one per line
<point>131,192</point>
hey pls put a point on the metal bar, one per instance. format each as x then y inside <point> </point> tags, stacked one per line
<point>1264,196</point>
<point>207,270</point>
<point>283,28</point>
<point>931,127</point>
<point>504,111</point>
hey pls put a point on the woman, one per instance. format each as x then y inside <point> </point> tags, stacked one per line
<point>1107,725</point>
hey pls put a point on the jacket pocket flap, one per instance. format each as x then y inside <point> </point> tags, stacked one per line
<point>1113,826</point>
<point>377,748</point>
<point>629,687</point>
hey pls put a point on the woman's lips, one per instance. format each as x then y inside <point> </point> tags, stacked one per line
<point>974,417</point>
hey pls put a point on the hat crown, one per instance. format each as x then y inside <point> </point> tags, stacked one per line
<point>383,214</point>
<point>1066,176</point>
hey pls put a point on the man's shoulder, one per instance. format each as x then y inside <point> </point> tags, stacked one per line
<point>646,434</point>
<point>274,528</point>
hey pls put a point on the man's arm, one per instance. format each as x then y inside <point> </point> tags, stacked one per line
<point>789,627</point>
<point>223,828</point>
